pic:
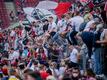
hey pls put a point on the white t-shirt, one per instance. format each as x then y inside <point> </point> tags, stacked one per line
<point>88,25</point>
<point>23,33</point>
<point>61,70</point>
<point>14,55</point>
<point>103,34</point>
<point>73,55</point>
<point>50,78</point>
<point>16,43</point>
<point>12,34</point>
<point>34,68</point>
<point>6,46</point>
<point>11,57</point>
<point>52,27</point>
<point>55,71</point>
<point>76,22</point>
<point>62,24</point>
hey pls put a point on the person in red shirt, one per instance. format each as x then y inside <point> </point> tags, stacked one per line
<point>40,54</point>
<point>43,72</point>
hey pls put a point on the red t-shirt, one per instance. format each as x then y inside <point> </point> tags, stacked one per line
<point>43,56</point>
<point>91,5</point>
<point>44,75</point>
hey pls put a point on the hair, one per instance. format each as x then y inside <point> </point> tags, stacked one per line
<point>12,71</point>
<point>77,13</point>
<point>35,75</point>
<point>51,17</point>
<point>28,71</point>
<point>12,48</point>
<point>90,73</point>
<point>41,48</point>
<point>25,47</point>
<point>63,16</point>
<point>45,20</point>
<point>66,78</point>
<point>76,68</point>
<point>5,71</point>
<point>35,62</point>
<point>49,72</point>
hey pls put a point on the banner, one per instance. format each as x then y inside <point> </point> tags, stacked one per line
<point>62,8</point>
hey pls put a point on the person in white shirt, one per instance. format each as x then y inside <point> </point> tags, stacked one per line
<point>6,46</point>
<point>53,68</point>
<point>13,33</point>
<point>62,24</point>
<point>14,54</point>
<point>76,21</point>
<point>88,25</point>
<point>62,68</point>
<point>24,33</point>
<point>52,28</point>
<point>34,65</point>
<point>74,56</point>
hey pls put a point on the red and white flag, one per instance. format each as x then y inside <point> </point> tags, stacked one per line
<point>62,8</point>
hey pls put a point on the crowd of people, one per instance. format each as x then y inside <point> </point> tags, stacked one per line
<point>74,48</point>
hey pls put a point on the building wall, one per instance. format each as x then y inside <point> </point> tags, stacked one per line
<point>10,7</point>
<point>3,15</point>
<point>26,3</point>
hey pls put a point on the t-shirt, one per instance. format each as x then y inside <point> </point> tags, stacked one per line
<point>25,53</point>
<point>102,37</point>
<point>5,78</point>
<point>87,37</point>
<point>14,55</point>
<point>13,78</point>
<point>73,55</point>
<point>62,24</point>
<point>90,5</point>
<point>6,46</point>
<point>50,78</point>
<point>61,70</point>
<point>87,17</point>
<point>88,25</point>
<point>52,27</point>
<point>76,22</point>
<point>44,75</point>
<point>12,34</point>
